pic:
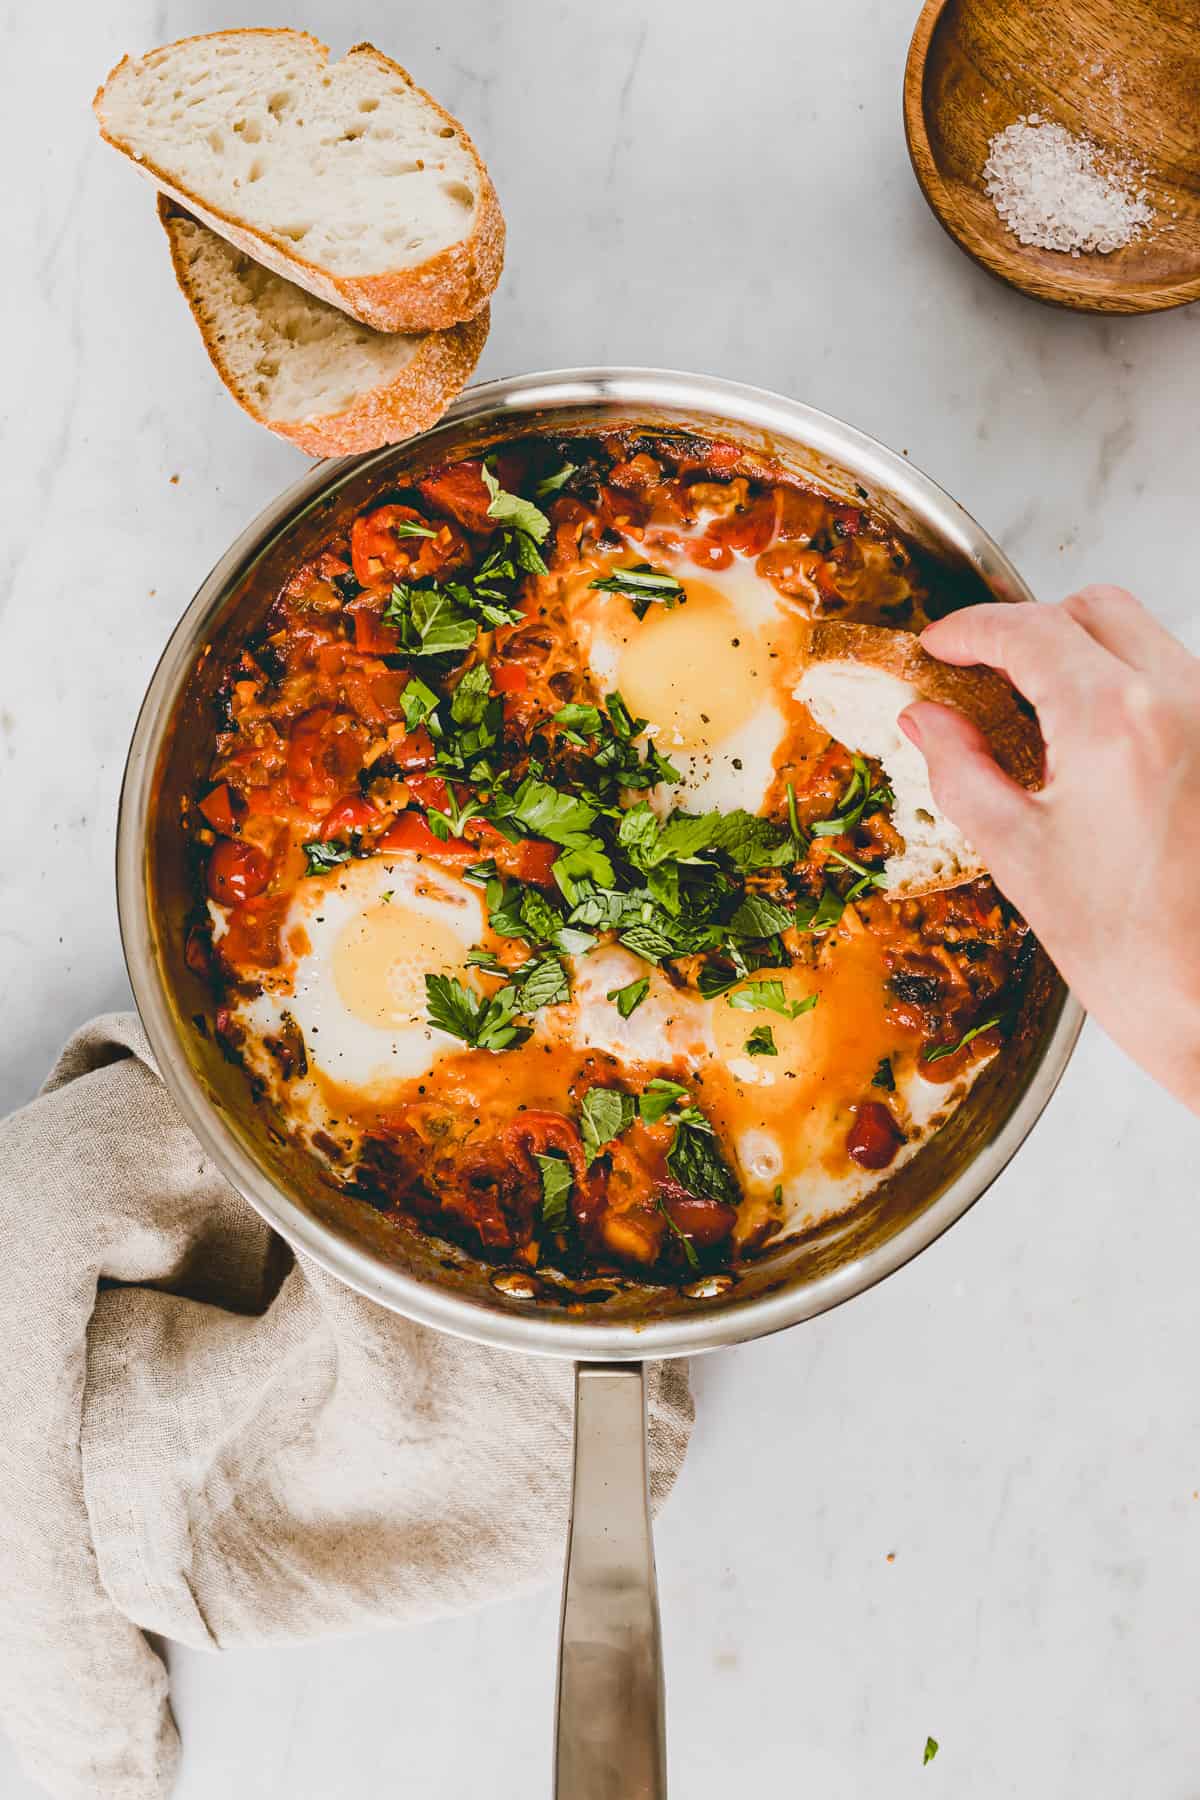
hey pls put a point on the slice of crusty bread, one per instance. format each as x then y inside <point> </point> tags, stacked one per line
<point>857,680</point>
<point>344,177</point>
<point>304,368</point>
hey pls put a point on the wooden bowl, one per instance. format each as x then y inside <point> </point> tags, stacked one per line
<point>1124,72</point>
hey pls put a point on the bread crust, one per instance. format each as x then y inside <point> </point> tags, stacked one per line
<point>410,403</point>
<point>444,290</point>
<point>982,694</point>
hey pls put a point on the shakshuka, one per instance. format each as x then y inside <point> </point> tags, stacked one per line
<point>535,901</point>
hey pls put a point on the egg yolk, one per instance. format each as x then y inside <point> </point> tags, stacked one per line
<point>827,1054</point>
<point>381,959</point>
<point>693,668</point>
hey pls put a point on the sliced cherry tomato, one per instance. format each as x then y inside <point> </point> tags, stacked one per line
<point>237,872</point>
<point>458,489</point>
<point>414,751</point>
<point>874,1137</point>
<point>510,678</point>
<point>528,860</point>
<point>380,552</point>
<point>351,813</point>
<point>371,634</point>
<point>324,755</point>
<point>411,832</point>
<point>533,1132</point>
<point>705,1221</point>
<point>220,808</point>
<point>428,790</point>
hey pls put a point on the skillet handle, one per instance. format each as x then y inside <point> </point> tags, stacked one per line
<point>610,1741</point>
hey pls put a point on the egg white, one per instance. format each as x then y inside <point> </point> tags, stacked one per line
<point>355,986</point>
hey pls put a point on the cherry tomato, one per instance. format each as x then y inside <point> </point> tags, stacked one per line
<point>237,872</point>
<point>533,1132</point>
<point>324,755</point>
<point>874,1137</point>
<point>428,790</point>
<point>219,809</point>
<point>510,678</point>
<point>705,1221</point>
<point>458,489</point>
<point>351,813</point>
<point>411,832</point>
<point>707,555</point>
<point>371,634</point>
<point>415,751</point>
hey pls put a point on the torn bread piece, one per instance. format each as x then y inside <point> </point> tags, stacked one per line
<point>857,681</point>
<point>302,367</point>
<point>344,177</point>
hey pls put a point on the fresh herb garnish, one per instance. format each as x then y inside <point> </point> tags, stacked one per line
<point>605,1114</point>
<point>481,1024</point>
<point>657,1098</point>
<point>769,996</point>
<point>697,1164</point>
<point>511,509</point>
<point>761,1042</point>
<point>469,701</point>
<point>325,856</point>
<point>689,1249</point>
<point>550,484</point>
<point>758,917</point>
<point>410,528</point>
<point>417,702</point>
<point>968,1037</point>
<point>542,982</point>
<point>931,1750</point>
<point>884,1077</point>
<point>643,585</point>
<point>627,999</point>
<point>555,1172</point>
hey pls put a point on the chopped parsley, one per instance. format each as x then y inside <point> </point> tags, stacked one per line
<point>761,1042</point>
<point>860,795</point>
<point>884,1077</point>
<point>417,702</point>
<point>696,1162</point>
<point>931,1750</point>
<point>657,1099</point>
<point>481,1024</point>
<point>411,528</point>
<point>551,484</point>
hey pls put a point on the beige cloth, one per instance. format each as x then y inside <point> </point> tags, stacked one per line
<point>223,1444</point>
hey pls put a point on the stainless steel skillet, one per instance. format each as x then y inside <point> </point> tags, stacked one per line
<point>610,1740</point>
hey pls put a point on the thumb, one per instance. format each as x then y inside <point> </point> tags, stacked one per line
<point>989,808</point>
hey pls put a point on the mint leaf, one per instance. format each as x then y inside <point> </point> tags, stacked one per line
<point>769,996</point>
<point>606,1113</point>
<point>697,1164</point>
<point>550,484</point>
<point>576,870</point>
<point>470,698</point>
<point>627,999</point>
<point>541,983</point>
<point>758,917</point>
<point>657,1099</point>
<point>325,856</point>
<point>967,1037</point>
<point>643,585</point>
<point>555,1172</point>
<point>761,1042</point>
<point>546,812</point>
<point>417,702</point>
<point>511,509</point>
<point>439,624</point>
<point>751,842</point>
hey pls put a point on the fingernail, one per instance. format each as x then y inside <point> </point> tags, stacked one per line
<point>908,726</point>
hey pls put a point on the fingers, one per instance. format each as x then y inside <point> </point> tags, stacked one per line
<point>1117,620</point>
<point>991,810</point>
<point>1044,652</point>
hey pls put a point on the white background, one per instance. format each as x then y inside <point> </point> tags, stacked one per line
<point>724,188</point>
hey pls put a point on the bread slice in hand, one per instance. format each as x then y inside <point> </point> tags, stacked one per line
<point>857,680</point>
<point>302,367</point>
<point>344,177</point>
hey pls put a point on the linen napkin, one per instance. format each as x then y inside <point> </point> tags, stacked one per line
<point>207,1437</point>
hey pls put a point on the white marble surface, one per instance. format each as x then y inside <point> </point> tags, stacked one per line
<point>1015,1416</point>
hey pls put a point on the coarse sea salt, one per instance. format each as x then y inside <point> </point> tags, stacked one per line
<point>1057,191</point>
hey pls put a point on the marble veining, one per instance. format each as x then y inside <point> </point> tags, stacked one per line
<point>965,1505</point>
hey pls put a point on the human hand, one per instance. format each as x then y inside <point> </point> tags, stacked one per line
<point>1104,861</point>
